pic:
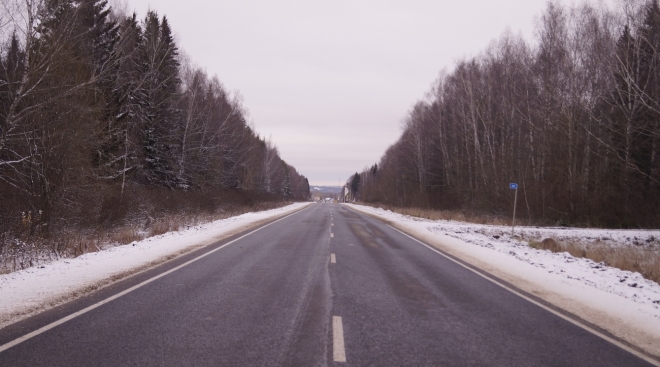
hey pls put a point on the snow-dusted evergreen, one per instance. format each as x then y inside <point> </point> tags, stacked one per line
<point>97,106</point>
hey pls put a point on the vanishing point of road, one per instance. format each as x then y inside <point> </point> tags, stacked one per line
<point>325,286</point>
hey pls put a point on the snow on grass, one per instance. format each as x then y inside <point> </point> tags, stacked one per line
<point>27,291</point>
<point>621,302</point>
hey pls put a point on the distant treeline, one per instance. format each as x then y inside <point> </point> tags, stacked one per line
<point>572,117</point>
<point>98,109</point>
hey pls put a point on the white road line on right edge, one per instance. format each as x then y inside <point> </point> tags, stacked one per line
<point>338,350</point>
<point>572,321</point>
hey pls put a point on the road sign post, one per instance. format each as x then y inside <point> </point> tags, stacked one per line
<point>514,186</point>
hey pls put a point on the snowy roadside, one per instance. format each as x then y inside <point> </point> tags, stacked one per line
<point>28,291</point>
<point>621,302</point>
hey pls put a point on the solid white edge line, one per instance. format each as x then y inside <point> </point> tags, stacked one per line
<point>333,259</point>
<point>338,349</point>
<point>572,321</point>
<point>129,290</point>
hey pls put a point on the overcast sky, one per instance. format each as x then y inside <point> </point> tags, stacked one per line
<point>331,81</point>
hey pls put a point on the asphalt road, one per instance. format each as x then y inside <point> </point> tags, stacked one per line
<point>319,287</point>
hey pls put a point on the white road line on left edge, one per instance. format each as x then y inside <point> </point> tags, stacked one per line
<point>333,259</point>
<point>338,350</point>
<point>129,290</point>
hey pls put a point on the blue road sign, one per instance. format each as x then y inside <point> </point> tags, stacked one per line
<point>513,186</point>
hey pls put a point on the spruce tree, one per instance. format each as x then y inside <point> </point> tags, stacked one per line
<point>120,145</point>
<point>12,67</point>
<point>305,189</point>
<point>157,95</point>
<point>99,35</point>
<point>98,38</point>
<point>355,183</point>
<point>286,183</point>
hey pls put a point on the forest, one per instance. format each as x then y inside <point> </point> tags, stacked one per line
<point>104,122</point>
<point>572,116</point>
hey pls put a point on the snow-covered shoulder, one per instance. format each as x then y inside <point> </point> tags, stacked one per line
<point>34,289</point>
<point>621,302</point>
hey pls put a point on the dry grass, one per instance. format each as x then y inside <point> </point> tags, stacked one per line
<point>21,253</point>
<point>167,224</point>
<point>455,215</point>
<point>125,235</point>
<point>637,259</point>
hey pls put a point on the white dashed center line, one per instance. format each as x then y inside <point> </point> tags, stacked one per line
<point>333,259</point>
<point>338,351</point>
<point>332,235</point>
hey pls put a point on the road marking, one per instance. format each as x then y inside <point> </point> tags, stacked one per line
<point>332,235</point>
<point>332,224</point>
<point>333,259</point>
<point>129,290</point>
<point>338,351</point>
<point>549,309</point>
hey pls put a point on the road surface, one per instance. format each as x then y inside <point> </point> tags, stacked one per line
<point>326,286</point>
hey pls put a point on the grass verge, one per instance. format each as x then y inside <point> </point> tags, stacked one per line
<point>456,215</point>
<point>637,259</point>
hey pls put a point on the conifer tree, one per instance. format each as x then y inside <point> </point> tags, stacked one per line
<point>12,67</point>
<point>99,35</point>
<point>286,183</point>
<point>82,82</point>
<point>355,184</point>
<point>157,96</point>
<point>305,189</point>
<point>120,144</point>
